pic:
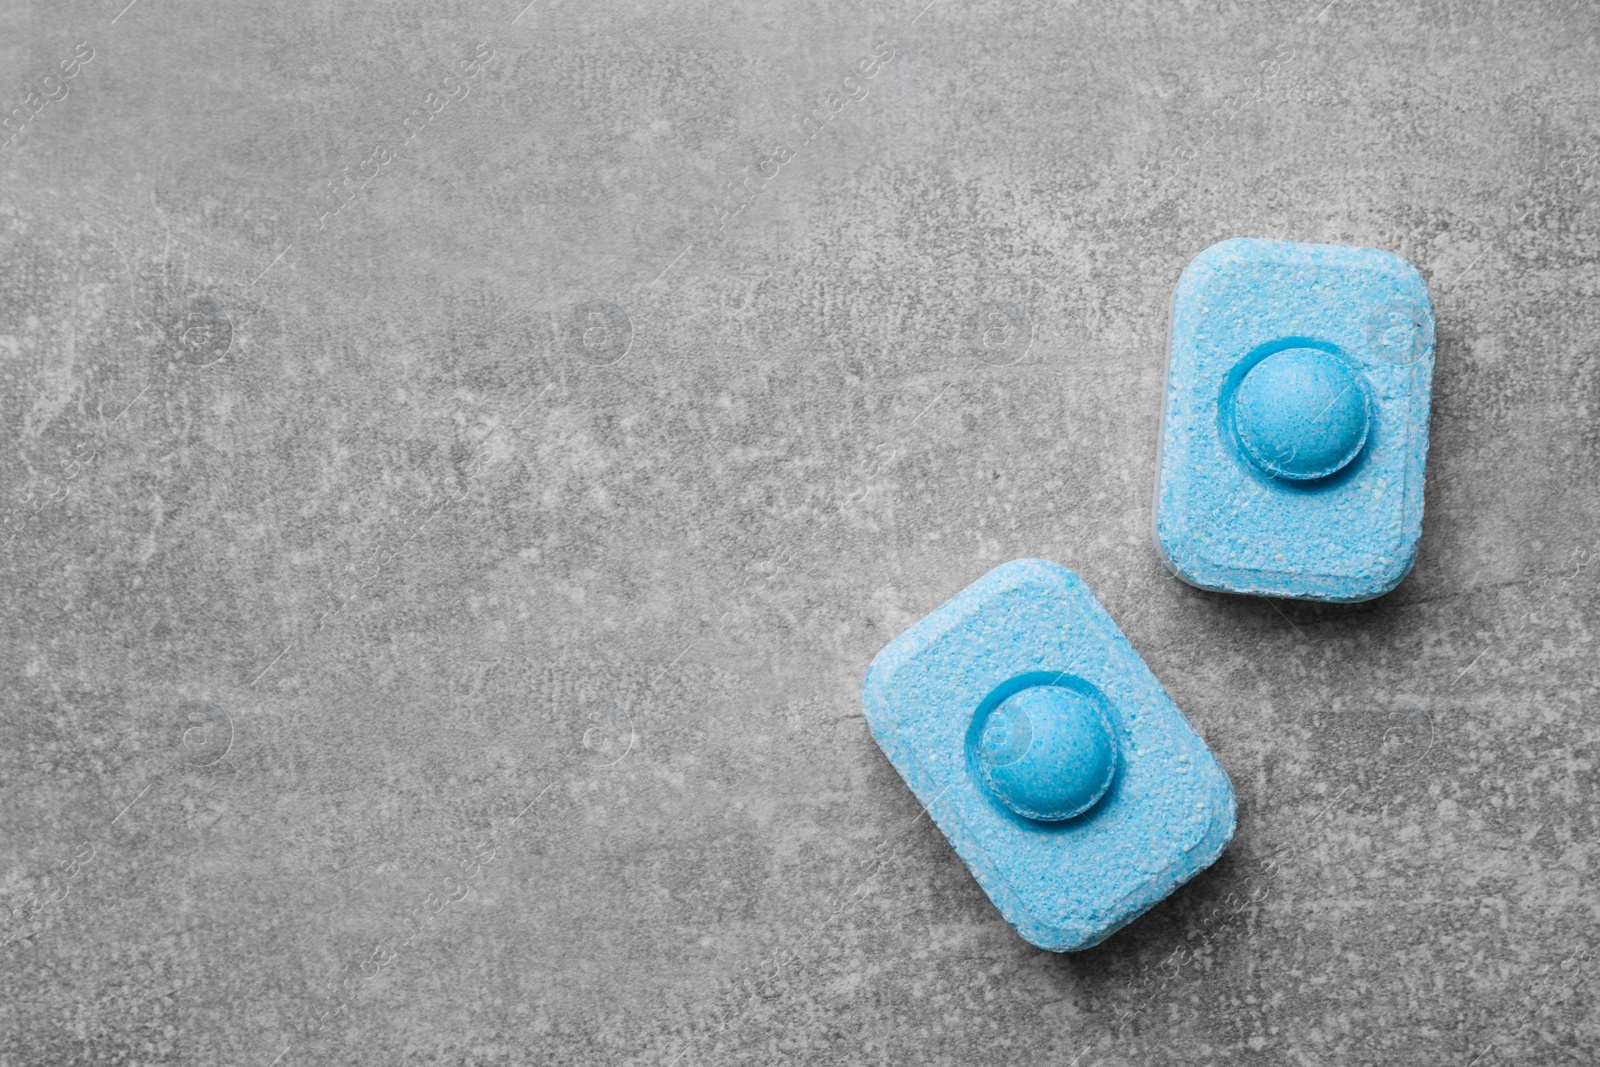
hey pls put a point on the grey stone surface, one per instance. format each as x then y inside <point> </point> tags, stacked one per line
<point>502,538</point>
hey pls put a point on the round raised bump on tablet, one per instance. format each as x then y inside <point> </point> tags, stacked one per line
<point>1047,753</point>
<point>1302,414</point>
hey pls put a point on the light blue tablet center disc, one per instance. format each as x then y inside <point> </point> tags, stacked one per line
<point>1047,753</point>
<point>1302,414</point>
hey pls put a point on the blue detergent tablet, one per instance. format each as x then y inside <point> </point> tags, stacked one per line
<point>1295,428</point>
<point>1068,782</point>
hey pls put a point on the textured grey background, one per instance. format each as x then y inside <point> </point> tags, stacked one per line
<point>346,583</point>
